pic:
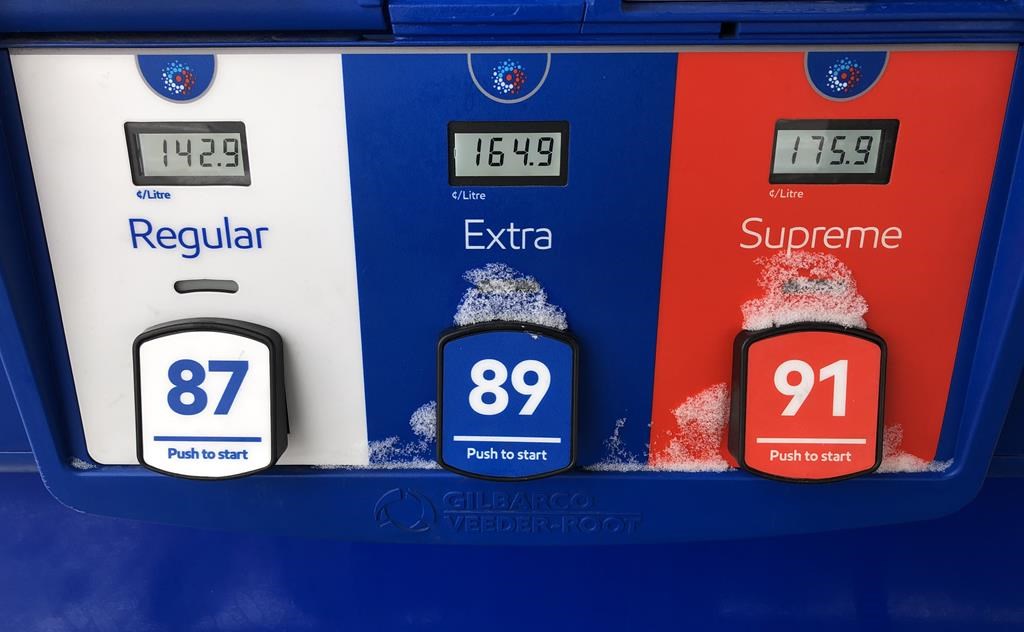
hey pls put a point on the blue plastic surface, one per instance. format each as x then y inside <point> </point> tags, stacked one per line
<point>65,571</point>
<point>189,16</point>
<point>709,21</point>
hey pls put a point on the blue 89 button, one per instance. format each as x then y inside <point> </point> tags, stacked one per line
<point>507,398</point>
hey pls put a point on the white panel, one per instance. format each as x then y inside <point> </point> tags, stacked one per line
<point>301,283</point>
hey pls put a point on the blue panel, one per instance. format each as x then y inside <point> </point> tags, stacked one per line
<point>1011,442</point>
<point>12,432</point>
<point>802,19</point>
<point>67,571</point>
<point>604,268</point>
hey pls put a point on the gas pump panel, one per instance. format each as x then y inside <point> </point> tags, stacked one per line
<point>509,294</point>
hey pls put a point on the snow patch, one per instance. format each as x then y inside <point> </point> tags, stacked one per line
<point>424,421</point>
<point>79,464</point>
<point>501,292</point>
<point>394,454</point>
<point>619,458</point>
<point>701,423</point>
<point>804,287</point>
<point>895,460</point>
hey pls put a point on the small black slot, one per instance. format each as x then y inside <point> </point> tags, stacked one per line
<point>727,30</point>
<point>187,286</point>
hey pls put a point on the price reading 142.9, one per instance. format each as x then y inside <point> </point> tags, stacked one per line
<point>188,153</point>
<point>213,151</point>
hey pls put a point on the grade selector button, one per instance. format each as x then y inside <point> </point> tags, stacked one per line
<point>507,401</point>
<point>210,398</point>
<point>807,402</point>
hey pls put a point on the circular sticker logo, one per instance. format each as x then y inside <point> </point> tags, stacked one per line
<point>839,76</point>
<point>177,77</point>
<point>508,78</point>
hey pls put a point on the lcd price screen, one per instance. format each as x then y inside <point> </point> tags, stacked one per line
<point>834,151</point>
<point>188,153</point>
<point>506,153</point>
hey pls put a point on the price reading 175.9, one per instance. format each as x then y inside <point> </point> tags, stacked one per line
<point>837,149</point>
<point>826,151</point>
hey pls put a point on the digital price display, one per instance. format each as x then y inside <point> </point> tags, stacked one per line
<point>807,402</point>
<point>834,151</point>
<point>508,153</point>
<point>189,153</point>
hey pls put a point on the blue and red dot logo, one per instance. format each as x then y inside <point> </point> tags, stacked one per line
<point>839,76</point>
<point>843,76</point>
<point>178,77</point>
<point>508,78</point>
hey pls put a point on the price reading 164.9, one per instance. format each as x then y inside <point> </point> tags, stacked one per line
<point>508,153</point>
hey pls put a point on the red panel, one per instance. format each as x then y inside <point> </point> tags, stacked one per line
<point>950,105</point>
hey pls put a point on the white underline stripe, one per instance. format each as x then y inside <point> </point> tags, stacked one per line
<point>507,439</point>
<point>812,440</point>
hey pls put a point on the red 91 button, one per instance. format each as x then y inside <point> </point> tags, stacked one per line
<point>807,402</point>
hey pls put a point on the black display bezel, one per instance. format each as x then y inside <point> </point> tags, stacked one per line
<point>558,127</point>
<point>883,168</point>
<point>132,131</point>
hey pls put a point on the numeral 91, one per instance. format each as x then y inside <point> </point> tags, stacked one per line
<point>799,392</point>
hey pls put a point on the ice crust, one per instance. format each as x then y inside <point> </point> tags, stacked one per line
<point>804,287</point>
<point>501,292</point>
<point>895,460</point>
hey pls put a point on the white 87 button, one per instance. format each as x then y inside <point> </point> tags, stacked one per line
<point>209,398</point>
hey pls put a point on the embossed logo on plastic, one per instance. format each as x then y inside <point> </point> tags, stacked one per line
<point>405,510</point>
<point>561,513</point>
